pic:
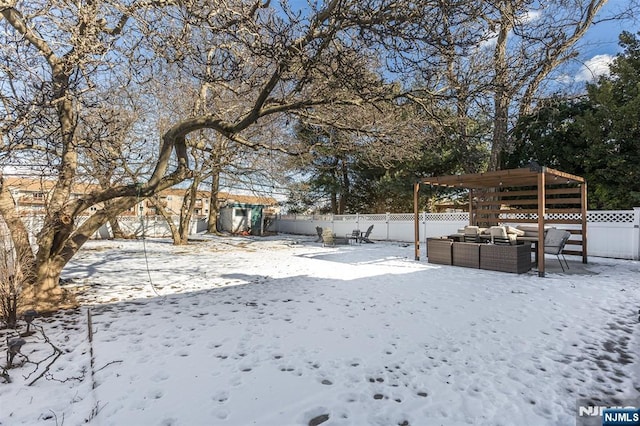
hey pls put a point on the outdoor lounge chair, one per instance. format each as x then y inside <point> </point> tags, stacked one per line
<point>365,237</point>
<point>471,234</point>
<point>554,243</point>
<point>354,236</point>
<point>500,236</point>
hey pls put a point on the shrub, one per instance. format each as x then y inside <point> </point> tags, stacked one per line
<point>15,274</point>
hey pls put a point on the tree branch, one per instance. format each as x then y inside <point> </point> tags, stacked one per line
<point>15,19</point>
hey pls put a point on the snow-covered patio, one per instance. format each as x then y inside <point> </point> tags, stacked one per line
<point>283,331</point>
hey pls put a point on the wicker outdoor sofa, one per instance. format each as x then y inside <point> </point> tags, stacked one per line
<point>506,258</point>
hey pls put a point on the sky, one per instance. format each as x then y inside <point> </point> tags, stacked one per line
<point>597,48</point>
<point>283,331</point>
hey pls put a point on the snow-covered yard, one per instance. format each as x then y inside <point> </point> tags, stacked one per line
<point>283,331</point>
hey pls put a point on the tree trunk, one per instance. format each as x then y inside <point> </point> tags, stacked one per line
<point>186,212</point>
<point>334,202</point>
<point>115,229</point>
<point>213,205</point>
<point>501,87</point>
<point>346,187</point>
<point>175,234</point>
<point>115,225</point>
<point>113,221</point>
<point>46,295</point>
<point>500,129</point>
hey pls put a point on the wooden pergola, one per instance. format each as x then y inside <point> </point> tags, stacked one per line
<point>536,194</point>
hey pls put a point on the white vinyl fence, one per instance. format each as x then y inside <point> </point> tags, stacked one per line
<point>610,233</point>
<point>149,226</point>
<point>141,226</point>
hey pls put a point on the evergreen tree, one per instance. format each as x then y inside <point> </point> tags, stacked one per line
<point>611,128</point>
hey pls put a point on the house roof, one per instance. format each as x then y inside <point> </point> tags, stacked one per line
<point>225,197</point>
<point>42,185</point>
<point>247,199</point>
<point>180,192</point>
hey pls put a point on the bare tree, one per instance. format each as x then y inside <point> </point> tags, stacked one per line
<point>64,51</point>
<point>529,41</point>
<point>271,61</point>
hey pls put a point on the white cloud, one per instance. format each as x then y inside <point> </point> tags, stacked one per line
<point>529,16</point>
<point>594,68</point>
<point>565,79</point>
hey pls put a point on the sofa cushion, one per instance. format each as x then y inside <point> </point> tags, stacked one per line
<point>471,230</point>
<point>516,231</point>
<point>498,231</point>
<point>499,235</point>
<point>528,228</point>
<point>531,230</point>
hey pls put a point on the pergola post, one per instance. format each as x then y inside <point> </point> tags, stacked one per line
<point>472,222</point>
<point>542,195</point>
<point>583,202</point>
<point>416,222</point>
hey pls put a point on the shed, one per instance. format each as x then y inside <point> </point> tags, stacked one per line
<point>537,195</point>
<point>241,217</point>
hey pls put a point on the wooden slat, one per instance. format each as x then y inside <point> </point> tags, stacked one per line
<point>571,211</point>
<point>548,211</point>
<point>532,192</point>
<point>519,211</point>
<point>489,203</point>
<point>572,252</point>
<point>563,201</point>
<point>518,203</point>
<point>565,190</point>
<point>522,202</point>
<point>528,202</point>
<point>549,221</point>
<point>563,221</point>
<point>519,193</point>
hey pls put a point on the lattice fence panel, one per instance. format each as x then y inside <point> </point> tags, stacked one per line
<point>345,218</point>
<point>610,216</point>
<point>447,217</point>
<point>517,216</point>
<point>397,217</point>
<point>375,217</point>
